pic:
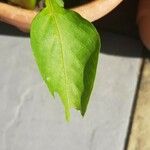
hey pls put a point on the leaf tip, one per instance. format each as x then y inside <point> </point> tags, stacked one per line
<point>82,113</point>
<point>67,114</point>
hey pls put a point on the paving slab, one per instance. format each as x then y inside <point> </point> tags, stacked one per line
<point>140,132</point>
<point>31,120</point>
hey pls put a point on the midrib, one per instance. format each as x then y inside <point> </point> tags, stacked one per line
<point>62,55</point>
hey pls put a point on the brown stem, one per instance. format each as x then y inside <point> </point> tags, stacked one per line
<point>22,18</point>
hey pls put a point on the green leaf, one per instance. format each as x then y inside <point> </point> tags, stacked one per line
<point>52,3</point>
<point>28,4</point>
<point>89,76</point>
<point>66,49</point>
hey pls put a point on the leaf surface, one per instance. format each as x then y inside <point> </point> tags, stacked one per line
<point>66,49</point>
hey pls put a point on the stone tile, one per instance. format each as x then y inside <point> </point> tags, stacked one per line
<point>140,133</point>
<point>31,120</point>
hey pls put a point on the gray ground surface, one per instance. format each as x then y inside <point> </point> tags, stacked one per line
<point>31,120</point>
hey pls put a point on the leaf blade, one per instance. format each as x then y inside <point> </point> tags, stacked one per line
<point>61,64</point>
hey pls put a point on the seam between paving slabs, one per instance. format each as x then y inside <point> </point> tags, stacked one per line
<point>132,113</point>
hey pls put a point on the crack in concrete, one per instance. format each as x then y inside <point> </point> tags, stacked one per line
<point>91,142</point>
<point>16,116</point>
